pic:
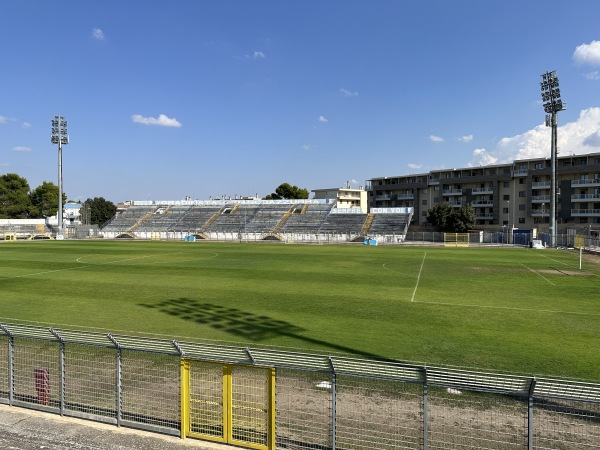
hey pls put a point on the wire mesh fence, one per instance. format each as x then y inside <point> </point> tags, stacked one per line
<point>320,402</point>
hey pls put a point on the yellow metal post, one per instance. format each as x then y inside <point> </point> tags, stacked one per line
<point>271,426</point>
<point>227,402</point>
<point>184,375</point>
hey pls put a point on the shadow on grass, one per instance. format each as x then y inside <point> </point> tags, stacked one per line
<point>244,324</point>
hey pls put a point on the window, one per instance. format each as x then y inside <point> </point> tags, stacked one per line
<point>506,184</point>
<point>522,194</point>
<point>521,180</point>
<point>522,207</point>
<point>538,165</point>
<point>506,197</point>
<point>521,219</point>
<point>505,210</point>
<point>424,202</point>
<point>424,191</point>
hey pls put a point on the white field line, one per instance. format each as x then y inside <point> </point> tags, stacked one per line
<point>85,265</point>
<point>412,299</point>
<point>574,267</point>
<point>539,274</point>
<point>510,308</point>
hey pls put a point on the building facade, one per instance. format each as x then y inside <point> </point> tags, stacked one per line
<point>345,197</point>
<point>515,194</point>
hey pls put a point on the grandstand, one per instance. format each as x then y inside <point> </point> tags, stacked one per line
<point>284,220</point>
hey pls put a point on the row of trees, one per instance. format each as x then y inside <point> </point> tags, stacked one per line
<point>19,201</point>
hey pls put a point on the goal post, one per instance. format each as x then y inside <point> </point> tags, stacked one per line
<point>456,239</point>
<point>10,236</point>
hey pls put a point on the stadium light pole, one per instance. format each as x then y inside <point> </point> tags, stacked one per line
<point>59,136</point>
<point>552,104</point>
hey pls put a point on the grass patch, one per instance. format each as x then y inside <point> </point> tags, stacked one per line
<point>516,310</point>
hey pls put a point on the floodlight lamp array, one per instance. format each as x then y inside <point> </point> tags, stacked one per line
<point>551,93</point>
<point>59,131</point>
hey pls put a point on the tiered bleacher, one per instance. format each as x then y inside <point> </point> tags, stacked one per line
<point>306,218</point>
<point>289,220</point>
<point>390,223</point>
<point>343,223</point>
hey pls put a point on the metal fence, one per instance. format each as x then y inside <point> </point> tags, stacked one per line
<point>319,401</point>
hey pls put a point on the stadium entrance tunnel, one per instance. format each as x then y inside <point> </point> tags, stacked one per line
<point>272,237</point>
<point>125,236</point>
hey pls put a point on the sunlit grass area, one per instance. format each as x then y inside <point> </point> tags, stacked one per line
<point>500,309</point>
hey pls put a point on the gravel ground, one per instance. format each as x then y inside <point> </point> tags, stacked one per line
<point>24,429</point>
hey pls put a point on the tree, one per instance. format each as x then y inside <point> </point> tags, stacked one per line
<point>14,197</point>
<point>463,219</point>
<point>439,216</point>
<point>44,200</point>
<point>285,191</point>
<point>100,210</point>
<point>452,220</point>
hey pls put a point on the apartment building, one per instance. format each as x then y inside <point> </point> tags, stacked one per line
<point>515,194</point>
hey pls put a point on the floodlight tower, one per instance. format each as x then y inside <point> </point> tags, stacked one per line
<point>552,104</point>
<point>59,136</point>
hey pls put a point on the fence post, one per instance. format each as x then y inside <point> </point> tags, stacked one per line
<point>333,405</point>
<point>530,414</point>
<point>425,408</point>
<point>119,387</point>
<point>61,371</point>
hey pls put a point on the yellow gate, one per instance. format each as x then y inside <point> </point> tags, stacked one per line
<point>227,403</point>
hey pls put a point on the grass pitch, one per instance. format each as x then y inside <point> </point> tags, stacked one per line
<point>504,309</point>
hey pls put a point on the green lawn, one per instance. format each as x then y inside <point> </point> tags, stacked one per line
<point>503,309</point>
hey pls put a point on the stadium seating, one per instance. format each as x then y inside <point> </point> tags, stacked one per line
<point>256,219</point>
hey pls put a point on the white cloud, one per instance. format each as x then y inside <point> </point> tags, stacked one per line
<point>593,140</point>
<point>3,119</point>
<point>482,158</point>
<point>26,125</point>
<point>593,75</point>
<point>579,137</point>
<point>256,55</point>
<point>467,138</point>
<point>347,93</point>
<point>161,121</point>
<point>414,166</point>
<point>21,149</point>
<point>434,138</point>
<point>588,54</point>
<point>307,147</point>
<point>98,34</point>
<point>323,119</point>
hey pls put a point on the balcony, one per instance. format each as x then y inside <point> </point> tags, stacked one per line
<point>482,204</point>
<point>433,182</point>
<point>540,213</point>
<point>484,216</point>
<point>482,191</point>
<point>406,196</point>
<point>382,198</point>
<point>541,184</point>
<point>520,173</point>
<point>540,199</point>
<point>586,182</point>
<point>456,204</point>
<point>585,197</point>
<point>585,212</point>
<point>448,192</point>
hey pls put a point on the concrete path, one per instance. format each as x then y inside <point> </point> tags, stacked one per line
<point>24,429</point>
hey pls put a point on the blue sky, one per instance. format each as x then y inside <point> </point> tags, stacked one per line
<point>208,98</point>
